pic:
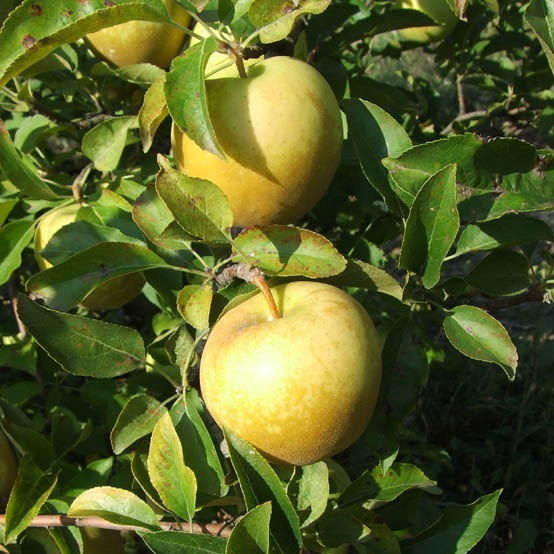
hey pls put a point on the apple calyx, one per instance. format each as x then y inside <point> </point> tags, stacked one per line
<point>253,275</point>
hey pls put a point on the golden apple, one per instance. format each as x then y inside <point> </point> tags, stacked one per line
<point>8,467</point>
<point>281,131</point>
<point>113,294</point>
<point>300,388</point>
<point>142,41</point>
<point>435,9</point>
<point>102,541</point>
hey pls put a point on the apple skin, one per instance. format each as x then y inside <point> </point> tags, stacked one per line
<point>435,9</point>
<point>281,131</point>
<point>8,467</point>
<point>300,388</point>
<point>141,41</point>
<point>110,295</point>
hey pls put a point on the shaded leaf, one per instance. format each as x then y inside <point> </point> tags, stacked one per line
<point>313,491</point>
<point>14,237</point>
<point>81,345</point>
<point>105,142</point>
<point>152,112</point>
<point>259,483</point>
<point>540,16</point>
<point>177,542</point>
<point>151,214</point>
<point>478,335</point>
<point>458,530</point>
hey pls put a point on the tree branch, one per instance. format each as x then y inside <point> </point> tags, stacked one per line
<point>214,529</point>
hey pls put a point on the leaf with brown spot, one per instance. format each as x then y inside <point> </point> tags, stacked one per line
<point>478,335</point>
<point>81,345</point>
<point>289,251</point>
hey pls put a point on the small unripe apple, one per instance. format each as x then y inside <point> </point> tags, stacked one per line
<point>281,131</point>
<point>112,294</point>
<point>8,467</point>
<point>102,541</point>
<point>299,388</point>
<point>437,10</point>
<point>142,41</point>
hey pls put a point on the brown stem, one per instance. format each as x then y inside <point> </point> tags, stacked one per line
<point>13,300</point>
<point>214,529</point>
<point>261,282</point>
<point>77,185</point>
<point>237,58</point>
<point>461,98</point>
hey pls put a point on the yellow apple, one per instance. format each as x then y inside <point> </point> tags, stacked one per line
<point>435,9</point>
<point>300,388</point>
<point>142,41</point>
<point>281,131</point>
<point>8,467</point>
<point>114,293</point>
<point>102,541</point>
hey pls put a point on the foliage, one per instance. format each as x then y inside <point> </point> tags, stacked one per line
<point>439,221</point>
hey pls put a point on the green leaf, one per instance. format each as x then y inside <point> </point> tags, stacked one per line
<point>376,484</point>
<point>366,276</point>
<point>105,142</point>
<point>65,285</point>
<point>19,170</point>
<point>198,447</point>
<point>177,542</point>
<point>174,481</point>
<point>116,506</point>
<point>259,483</point>
<point>31,442</point>
<point>458,530</point>
<point>14,237</point>
<point>376,135</point>
<point>34,29</point>
<point>31,490</point>
<point>199,206</point>
<point>137,419</point>
<point>81,345</point>
<point>194,303</point>
<point>186,96</point>
<point>503,156</point>
<point>276,18</point>
<point>139,469</point>
<point>6,206</point>
<point>313,491</point>
<point>338,528</point>
<point>431,227</point>
<point>151,214</point>
<point>502,273</point>
<point>95,474</point>
<point>78,236</point>
<point>411,170</point>
<point>509,230</point>
<point>152,112</point>
<point>138,73</point>
<point>380,541</point>
<point>251,534</point>
<point>289,251</point>
<point>540,16</point>
<point>478,335</point>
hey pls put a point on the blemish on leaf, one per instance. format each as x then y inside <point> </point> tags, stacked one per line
<point>28,42</point>
<point>109,3</point>
<point>469,329</point>
<point>36,9</point>
<point>68,13</point>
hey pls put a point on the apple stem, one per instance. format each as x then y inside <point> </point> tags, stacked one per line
<point>239,62</point>
<point>260,281</point>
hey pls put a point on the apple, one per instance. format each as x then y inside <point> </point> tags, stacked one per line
<point>281,131</point>
<point>102,541</point>
<point>113,294</point>
<point>141,41</point>
<point>438,10</point>
<point>8,467</point>
<point>299,388</point>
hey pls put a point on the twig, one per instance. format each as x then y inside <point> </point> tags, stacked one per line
<point>78,182</point>
<point>461,99</point>
<point>252,275</point>
<point>532,295</point>
<point>214,529</point>
<point>13,300</point>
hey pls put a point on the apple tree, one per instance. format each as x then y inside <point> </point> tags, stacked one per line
<point>168,165</point>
